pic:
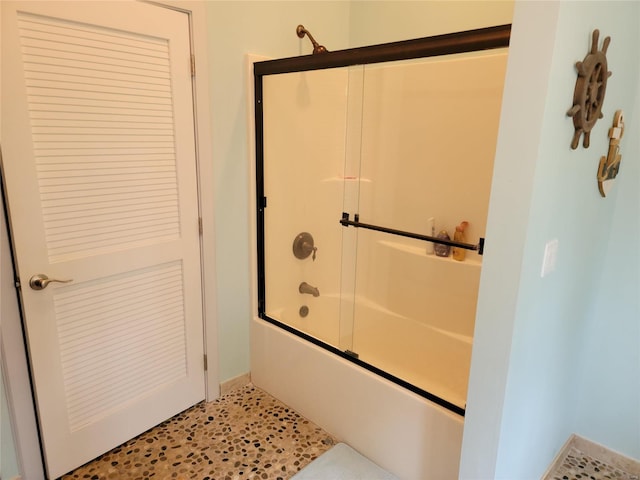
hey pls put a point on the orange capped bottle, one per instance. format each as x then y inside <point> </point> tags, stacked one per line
<point>460,253</point>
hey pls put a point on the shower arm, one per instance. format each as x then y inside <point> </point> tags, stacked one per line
<point>301,32</point>
<point>345,222</point>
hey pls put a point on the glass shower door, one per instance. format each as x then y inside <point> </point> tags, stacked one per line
<point>427,147</point>
<point>304,122</point>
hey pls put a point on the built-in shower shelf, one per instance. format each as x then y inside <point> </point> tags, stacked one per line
<point>472,260</point>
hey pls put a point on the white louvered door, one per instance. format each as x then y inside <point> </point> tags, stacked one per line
<point>100,172</point>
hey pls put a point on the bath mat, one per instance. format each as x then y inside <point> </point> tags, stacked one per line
<point>342,463</point>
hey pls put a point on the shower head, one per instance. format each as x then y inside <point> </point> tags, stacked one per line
<point>301,32</point>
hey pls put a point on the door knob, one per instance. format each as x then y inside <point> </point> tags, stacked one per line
<point>40,281</point>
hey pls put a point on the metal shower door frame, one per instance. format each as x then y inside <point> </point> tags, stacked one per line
<point>448,44</point>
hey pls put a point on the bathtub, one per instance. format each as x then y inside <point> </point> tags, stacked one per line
<point>421,334</point>
<point>430,358</point>
<point>401,431</point>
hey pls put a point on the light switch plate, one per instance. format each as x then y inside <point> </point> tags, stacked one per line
<point>550,257</point>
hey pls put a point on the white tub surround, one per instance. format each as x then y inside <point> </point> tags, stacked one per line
<point>402,432</point>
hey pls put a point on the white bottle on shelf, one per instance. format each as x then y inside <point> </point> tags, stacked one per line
<point>431,231</point>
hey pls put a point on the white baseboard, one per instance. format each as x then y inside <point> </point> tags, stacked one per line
<point>235,383</point>
<point>609,459</point>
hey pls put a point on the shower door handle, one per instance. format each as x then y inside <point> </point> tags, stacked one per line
<point>345,222</point>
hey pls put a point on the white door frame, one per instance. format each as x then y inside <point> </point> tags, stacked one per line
<point>14,359</point>
<point>196,10</point>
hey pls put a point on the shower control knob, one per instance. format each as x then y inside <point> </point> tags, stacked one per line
<point>303,246</point>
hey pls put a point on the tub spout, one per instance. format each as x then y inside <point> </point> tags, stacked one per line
<point>306,288</point>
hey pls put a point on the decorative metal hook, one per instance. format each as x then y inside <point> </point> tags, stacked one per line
<point>301,32</point>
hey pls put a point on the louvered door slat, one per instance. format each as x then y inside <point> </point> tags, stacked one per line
<point>60,71</point>
<point>52,198</point>
<point>115,151</point>
<point>99,125</point>
<point>85,91</point>
<point>69,173</point>
<point>86,65</point>
<point>35,55</point>
<point>69,219</point>
<point>104,130</point>
<point>113,208</point>
<point>71,205</point>
<point>60,183</point>
<point>77,113</point>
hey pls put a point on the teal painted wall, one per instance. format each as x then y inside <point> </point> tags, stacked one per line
<point>374,22</point>
<point>236,29</point>
<point>608,408</point>
<point>541,343</point>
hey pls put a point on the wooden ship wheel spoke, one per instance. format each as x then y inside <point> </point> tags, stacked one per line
<point>590,90</point>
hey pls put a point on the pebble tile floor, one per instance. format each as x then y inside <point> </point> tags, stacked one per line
<point>246,434</point>
<point>578,465</point>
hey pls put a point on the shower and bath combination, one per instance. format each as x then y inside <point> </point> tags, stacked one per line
<point>386,304</point>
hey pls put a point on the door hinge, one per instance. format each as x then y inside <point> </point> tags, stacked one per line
<point>193,65</point>
<point>200,225</point>
<point>205,362</point>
